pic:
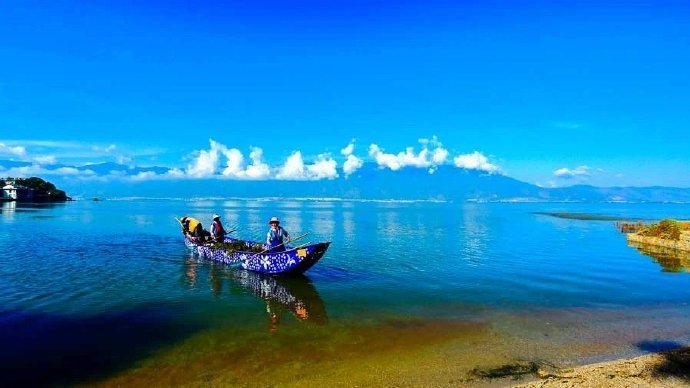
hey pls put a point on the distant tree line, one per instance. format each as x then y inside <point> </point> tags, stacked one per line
<point>43,191</point>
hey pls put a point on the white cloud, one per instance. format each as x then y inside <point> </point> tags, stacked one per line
<point>439,156</point>
<point>426,157</point>
<point>145,175</point>
<point>294,168</point>
<point>38,170</point>
<point>71,171</point>
<point>45,159</point>
<point>207,163</point>
<point>352,162</point>
<point>104,149</point>
<point>45,143</point>
<point>475,161</point>
<point>566,173</point>
<point>349,149</point>
<point>73,152</point>
<point>175,173</point>
<point>221,161</point>
<point>123,159</point>
<point>257,169</point>
<point>234,162</point>
<point>12,150</point>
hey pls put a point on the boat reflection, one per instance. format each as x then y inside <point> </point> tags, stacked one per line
<point>294,295</point>
<point>671,260</point>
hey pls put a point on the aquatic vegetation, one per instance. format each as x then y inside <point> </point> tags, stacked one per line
<point>238,246</point>
<point>580,216</point>
<point>630,227</point>
<point>667,229</point>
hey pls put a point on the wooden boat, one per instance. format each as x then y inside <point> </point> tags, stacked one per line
<point>292,261</point>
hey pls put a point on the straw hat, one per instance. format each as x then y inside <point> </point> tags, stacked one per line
<point>216,216</point>
<point>274,219</point>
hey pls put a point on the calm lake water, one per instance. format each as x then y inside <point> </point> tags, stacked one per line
<point>101,291</point>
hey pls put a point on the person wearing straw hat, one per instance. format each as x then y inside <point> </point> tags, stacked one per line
<point>276,235</point>
<point>217,231</point>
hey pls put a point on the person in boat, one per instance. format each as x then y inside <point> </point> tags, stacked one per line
<point>193,228</point>
<point>217,231</point>
<point>277,237</point>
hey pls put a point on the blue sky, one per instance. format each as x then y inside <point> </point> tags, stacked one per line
<point>554,94</point>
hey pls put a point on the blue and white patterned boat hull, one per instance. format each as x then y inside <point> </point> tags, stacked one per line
<point>291,261</point>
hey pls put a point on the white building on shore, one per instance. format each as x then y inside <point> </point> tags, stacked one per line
<point>9,192</point>
<point>13,192</point>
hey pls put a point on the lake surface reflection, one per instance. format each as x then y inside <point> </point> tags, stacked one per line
<point>493,265</point>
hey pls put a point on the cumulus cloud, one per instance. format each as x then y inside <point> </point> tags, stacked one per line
<point>294,168</point>
<point>566,173</point>
<point>431,155</point>
<point>475,161</point>
<point>257,169</point>
<point>352,162</point>
<point>236,167</point>
<point>223,162</point>
<point>12,150</point>
<point>207,163</point>
<point>220,160</point>
<point>349,149</point>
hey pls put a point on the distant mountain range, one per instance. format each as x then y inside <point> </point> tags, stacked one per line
<point>447,183</point>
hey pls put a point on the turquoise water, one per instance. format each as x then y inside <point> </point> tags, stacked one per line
<point>85,278</point>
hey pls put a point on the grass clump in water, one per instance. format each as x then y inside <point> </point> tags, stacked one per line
<point>667,229</point>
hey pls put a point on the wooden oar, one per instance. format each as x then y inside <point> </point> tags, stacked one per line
<point>281,244</point>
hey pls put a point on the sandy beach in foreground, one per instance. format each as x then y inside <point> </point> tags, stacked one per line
<point>665,369</point>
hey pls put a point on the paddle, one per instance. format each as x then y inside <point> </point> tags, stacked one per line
<point>281,244</point>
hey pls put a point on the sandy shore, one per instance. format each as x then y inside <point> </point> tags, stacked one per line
<point>666,369</point>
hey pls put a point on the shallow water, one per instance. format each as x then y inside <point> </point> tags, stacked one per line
<point>110,292</point>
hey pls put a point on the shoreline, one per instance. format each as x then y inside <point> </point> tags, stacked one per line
<point>669,368</point>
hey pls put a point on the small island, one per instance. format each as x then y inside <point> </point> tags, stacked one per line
<point>668,233</point>
<point>32,189</point>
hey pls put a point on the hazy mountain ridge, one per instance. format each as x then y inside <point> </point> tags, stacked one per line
<point>370,182</point>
